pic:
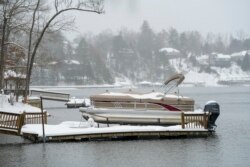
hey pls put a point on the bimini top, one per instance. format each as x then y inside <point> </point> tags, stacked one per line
<point>178,78</point>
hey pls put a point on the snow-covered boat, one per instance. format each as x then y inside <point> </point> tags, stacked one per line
<point>149,101</point>
<point>135,108</point>
<point>76,103</point>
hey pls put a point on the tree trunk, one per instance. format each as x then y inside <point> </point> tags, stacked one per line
<point>26,92</point>
<point>2,65</point>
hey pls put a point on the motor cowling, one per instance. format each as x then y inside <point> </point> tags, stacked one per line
<point>214,111</point>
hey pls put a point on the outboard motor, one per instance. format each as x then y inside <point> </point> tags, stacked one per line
<point>214,111</point>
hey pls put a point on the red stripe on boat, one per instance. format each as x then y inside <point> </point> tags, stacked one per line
<point>169,107</point>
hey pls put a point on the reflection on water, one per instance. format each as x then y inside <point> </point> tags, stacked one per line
<point>228,147</point>
<point>180,152</point>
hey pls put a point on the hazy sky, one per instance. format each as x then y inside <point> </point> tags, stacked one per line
<point>218,16</point>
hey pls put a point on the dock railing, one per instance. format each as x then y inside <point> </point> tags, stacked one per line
<point>194,120</point>
<point>35,118</point>
<point>11,123</point>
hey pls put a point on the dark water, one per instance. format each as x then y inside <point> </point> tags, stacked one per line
<point>230,146</point>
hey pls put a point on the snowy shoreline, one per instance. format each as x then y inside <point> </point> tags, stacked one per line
<point>17,107</point>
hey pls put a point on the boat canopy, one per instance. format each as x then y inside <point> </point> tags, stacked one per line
<point>178,78</point>
<point>173,82</point>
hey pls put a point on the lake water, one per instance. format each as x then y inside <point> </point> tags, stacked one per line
<point>230,146</point>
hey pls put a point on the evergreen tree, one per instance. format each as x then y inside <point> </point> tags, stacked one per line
<point>93,63</point>
<point>219,45</point>
<point>146,41</point>
<point>235,45</point>
<point>183,43</point>
<point>195,43</point>
<point>246,63</point>
<point>173,38</point>
<point>146,50</point>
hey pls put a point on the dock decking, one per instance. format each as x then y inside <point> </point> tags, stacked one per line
<point>120,135</point>
<point>68,132</point>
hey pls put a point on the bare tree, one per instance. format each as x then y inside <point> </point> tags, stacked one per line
<point>13,20</point>
<point>35,23</point>
<point>60,6</point>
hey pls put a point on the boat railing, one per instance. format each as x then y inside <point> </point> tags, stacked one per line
<point>141,105</point>
<point>193,120</point>
<point>117,104</point>
<point>134,105</point>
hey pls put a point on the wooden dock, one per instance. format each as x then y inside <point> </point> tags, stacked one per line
<point>122,135</point>
<point>193,125</point>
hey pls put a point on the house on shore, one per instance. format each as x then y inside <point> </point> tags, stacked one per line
<point>220,60</point>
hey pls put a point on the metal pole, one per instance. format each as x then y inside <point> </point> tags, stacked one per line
<point>42,118</point>
<point>2,98</point>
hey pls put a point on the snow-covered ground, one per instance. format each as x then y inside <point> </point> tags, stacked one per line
<point>194,76</point>
<point>17,107</point>
<point>124,81</point>
<point>234,72</point>
<point>200,79</point>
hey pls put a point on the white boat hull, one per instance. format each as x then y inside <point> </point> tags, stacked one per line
<point>132,116</point>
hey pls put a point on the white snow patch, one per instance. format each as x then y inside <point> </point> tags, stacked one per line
<point>72,62</point>
<point>124,81</point>
<point>201,78</point>
<point>74,100</point>
<point>222,56</point>
<point>234,72</point>
<point>169,50</point>
<point>18,107</point>
<point>194,77</point>
<point>53,63</point>
<point>11,73</point>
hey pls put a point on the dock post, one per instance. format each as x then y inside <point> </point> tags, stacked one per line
<point>42,118</point>
<point>107,122</point>
<point>182,120</point>
<point>205,120</point>
<point>21,122</point>
<point>2,98</point>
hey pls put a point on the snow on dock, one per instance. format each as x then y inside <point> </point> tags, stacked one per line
<point>85,130</point>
